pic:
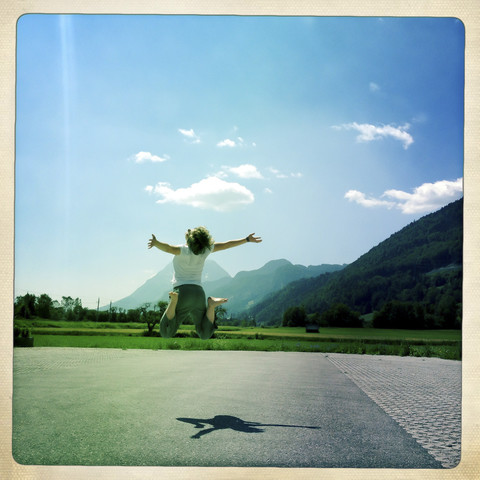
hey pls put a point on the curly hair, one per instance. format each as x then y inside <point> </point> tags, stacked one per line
<point>199,239</point>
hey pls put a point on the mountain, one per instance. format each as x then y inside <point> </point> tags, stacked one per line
<point>243,291</point>
<point>248,288</point>
<point>157,287</point>
<point>421,263</point>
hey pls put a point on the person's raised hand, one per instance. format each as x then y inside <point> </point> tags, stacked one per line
<point>252,239</point>
<point>151,242</point>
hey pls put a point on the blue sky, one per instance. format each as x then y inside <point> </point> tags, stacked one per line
<point>322,135</point>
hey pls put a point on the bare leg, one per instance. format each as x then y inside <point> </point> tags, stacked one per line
<point>212,303</point>
<point>172,306</point>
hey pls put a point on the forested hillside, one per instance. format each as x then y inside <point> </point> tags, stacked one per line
<point>247,288</point>
<point>421,265</point>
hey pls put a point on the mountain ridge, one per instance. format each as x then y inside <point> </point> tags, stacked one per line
<point>415,264</point>
<point>244,289</point>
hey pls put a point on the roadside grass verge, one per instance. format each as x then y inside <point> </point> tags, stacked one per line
<point>451,352</point>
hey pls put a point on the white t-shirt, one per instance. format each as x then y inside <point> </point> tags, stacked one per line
<point>188,267</point>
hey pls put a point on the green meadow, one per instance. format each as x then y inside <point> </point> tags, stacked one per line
<point>420,343</point>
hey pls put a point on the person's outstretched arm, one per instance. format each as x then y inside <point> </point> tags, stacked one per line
<point>165,247</point>
<point>235,243</point>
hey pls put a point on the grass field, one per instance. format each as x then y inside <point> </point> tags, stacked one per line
<point>421,343</point>
<point>452,352</point>
<point>41,326</point>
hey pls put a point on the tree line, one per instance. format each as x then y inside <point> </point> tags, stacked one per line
<point>394,314</point>
<point>30,306</point>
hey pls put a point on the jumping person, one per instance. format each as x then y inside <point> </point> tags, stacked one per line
<point>188,297</point>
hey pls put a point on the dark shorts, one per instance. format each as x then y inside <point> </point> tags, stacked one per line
<point>191,306</point>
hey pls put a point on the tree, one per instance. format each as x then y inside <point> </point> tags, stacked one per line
<point>44,306</point>
<point>447,312</point>
<point>403,315</point>
<point>133,315</point>
<point>67,304</point>
<point>25,306</point>
<point>152,317</point>
<point>72,308</point>
<point>294,317</point>
<point>113,314</point>
<point>339,315</point>
<point>78,311</point>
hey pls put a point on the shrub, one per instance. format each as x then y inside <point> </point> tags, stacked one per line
<point>25,333</point>
<point>404,350</point>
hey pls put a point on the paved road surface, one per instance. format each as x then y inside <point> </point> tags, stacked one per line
<point>247,409</point>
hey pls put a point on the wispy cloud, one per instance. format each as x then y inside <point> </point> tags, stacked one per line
<point>368,132</point>
<point>211,193</point>
<point>190,135</point>
<point>428,197</point>
<point>278,174</point>
<point>142,157</point>
<point>243,171</point>
<point>374,87</point>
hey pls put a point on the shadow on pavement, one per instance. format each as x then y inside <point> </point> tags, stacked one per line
<point>222,422</point>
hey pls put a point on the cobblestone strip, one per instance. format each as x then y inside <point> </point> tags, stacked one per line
<point>422,394</point>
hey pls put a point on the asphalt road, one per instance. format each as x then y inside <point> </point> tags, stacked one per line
<point>177,408</point>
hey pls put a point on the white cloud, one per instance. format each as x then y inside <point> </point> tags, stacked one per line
<point>211,193</point>
<point>361,199</point>
<point>369,132</point>
<point>374,87</point>
<point>243,171</point>
<point>226,143</point>
<point>238,142</point>
<point>190,135</point>
<point>142,157</point>
<point>426,198</point>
